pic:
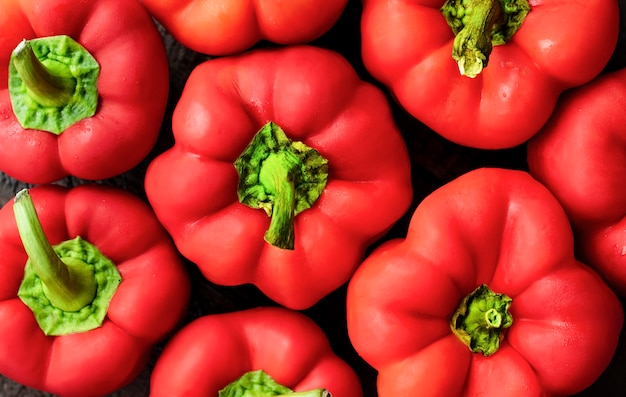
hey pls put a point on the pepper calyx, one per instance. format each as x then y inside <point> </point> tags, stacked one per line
<point>259,383</point>
<point>478,26</point>
<point>481,319</point>
<point>68,286</point>
<point>52,83</point>
<point>281,177</point>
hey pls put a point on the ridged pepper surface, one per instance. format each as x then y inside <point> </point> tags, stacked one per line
<point>486,73</point>
<point>261,352</point>
<point>224,27</point>
<point>483,297</point>
<point>580,155</point>
<point>286,167</point>
<point>83,88</point>
<point>90,282</point>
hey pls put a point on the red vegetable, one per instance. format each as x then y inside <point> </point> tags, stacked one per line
<point>86,90</point>
<point>286,167</point>
<point>222,27</point>
<point>213,352</point>
<point>536,50</point>
<point>580,155</point>
<point>81,318</point>
<point>483,297</point>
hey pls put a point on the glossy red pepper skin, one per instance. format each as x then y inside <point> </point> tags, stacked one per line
<point>225,27</point>
<point>317,98</point>
<point>212,351</point>
<point>148,304</point>
<point>580,155</point>
<point>133,87</point>
<point>504,229</point>
<point>407,45</point>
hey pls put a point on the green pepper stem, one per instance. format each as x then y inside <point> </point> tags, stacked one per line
<point>478,26</point>
<point>276,175</point>
<point>472,44</point>
<point>281,177</point>
<point>45,88</point>
<point>480,320</point>
<point>69,284</point>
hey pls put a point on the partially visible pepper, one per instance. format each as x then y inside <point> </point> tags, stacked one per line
<point>259,352</point>
<point>226,27</point>
<point>83,88</point>
<point>484,297</point>
<point>90,282</point>
<point>486,73</point>
<point>580,155</point>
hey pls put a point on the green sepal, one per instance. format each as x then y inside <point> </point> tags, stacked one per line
<point>282,177</point>
<point>56,87</point>
<point>260,384</point>
<point>481,319</point>
<point>54,321</point>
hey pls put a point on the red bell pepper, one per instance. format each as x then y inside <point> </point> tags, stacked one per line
<point>486,73</point>
<point>90,282</point>
<point>285,168</point>
<point>483,297</point>
<point>224,27</point>
<point>86,90</point>
<point>580,155</point>
<point>271,349</point>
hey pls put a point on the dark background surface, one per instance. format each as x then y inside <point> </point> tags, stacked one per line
<point>435,161</point>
